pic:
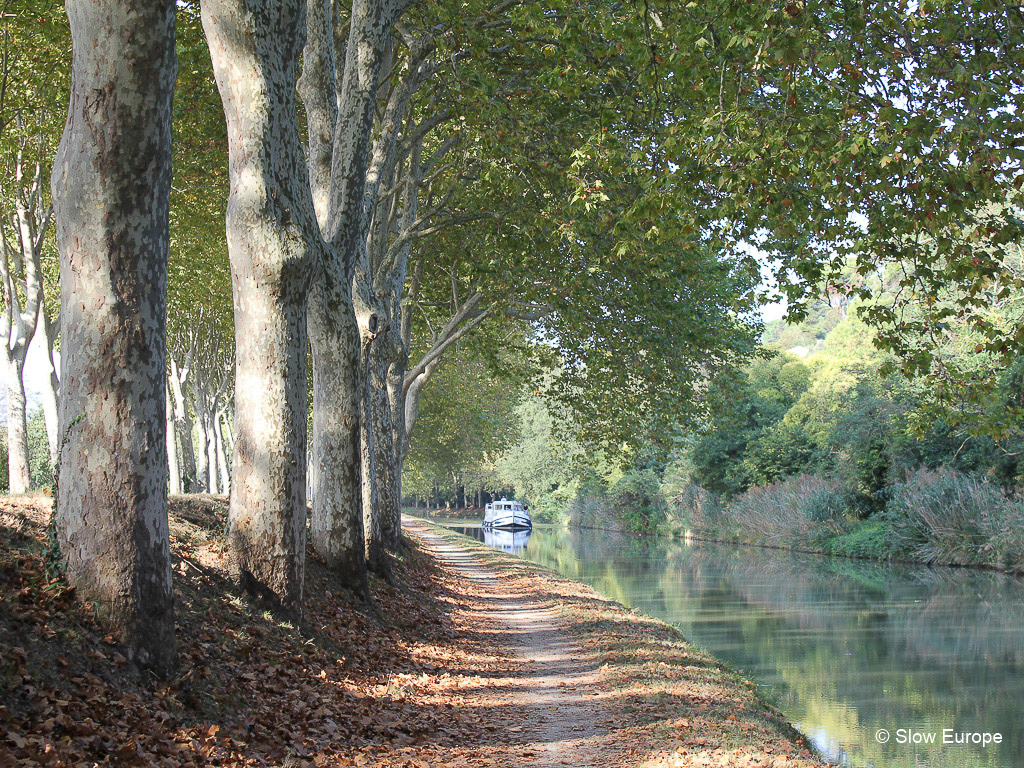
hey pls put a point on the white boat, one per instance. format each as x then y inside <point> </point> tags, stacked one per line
<point>506,514</point>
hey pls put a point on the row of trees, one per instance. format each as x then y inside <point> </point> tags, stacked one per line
<point>581,172</point>
<point>33,90</point>
<point>401,147</point>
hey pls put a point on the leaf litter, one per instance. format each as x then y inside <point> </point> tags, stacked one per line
<point>427,680</point>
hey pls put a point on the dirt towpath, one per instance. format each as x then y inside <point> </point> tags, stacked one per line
<point>472,659</point>
<point>566,718</point>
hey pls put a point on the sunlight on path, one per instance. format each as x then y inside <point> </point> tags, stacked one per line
<point>566,720</point>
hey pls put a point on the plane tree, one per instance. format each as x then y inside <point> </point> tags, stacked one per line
<point>615,309</point>
<point>884,135</point>
<point>110,188</point>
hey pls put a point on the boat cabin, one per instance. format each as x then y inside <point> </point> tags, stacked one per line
<point>506,514</point>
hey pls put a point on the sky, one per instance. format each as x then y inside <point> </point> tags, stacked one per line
<point>35,377</point>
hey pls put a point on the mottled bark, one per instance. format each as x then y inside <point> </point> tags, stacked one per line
<point>370,23</point>
<point>273,243</point>
<point>340,121</point>
<point>173,468</point>
<point>377,455</point>
<point>318,89</point>
<point>110,187</point>
<point>20,478</point>
<point>337,518</point>
<point>51,383</point>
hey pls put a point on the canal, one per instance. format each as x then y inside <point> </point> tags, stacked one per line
<point>848,649</point>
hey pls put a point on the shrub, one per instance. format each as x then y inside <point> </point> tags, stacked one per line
<point>944,516</point>
<point>637,500</point>
<point>634,503</point>
<point>590,507</point>
<point>871,539</point>
<point>799,508</point>
<point>694,506</point>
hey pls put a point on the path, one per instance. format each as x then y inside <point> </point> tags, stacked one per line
<point>566,718</point>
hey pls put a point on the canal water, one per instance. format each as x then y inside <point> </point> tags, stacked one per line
<point>848,649</point>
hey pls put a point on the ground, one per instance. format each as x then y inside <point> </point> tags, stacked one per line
<point>474,658</point>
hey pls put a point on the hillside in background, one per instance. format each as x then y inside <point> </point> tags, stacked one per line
<point>807,337</point>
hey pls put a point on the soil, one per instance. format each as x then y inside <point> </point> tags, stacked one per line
<point>566,718</point>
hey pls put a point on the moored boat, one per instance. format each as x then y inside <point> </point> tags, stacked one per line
<point>506,514</point>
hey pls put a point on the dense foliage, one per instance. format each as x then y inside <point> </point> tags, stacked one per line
<point>802,460</point>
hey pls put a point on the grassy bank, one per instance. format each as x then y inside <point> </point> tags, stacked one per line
<point>937,517</point>
<point>681,706</point>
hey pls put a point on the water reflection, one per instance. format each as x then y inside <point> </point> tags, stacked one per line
<point>513,542</point>
<point>845,647</point>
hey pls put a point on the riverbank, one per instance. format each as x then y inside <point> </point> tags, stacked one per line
<point>677,705</point>
<point>935,517</point>
<point>431,677</point>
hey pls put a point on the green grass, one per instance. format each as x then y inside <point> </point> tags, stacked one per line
<point>871,538</point>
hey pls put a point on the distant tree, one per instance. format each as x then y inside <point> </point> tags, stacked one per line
<point>467,418</point>
<point>745,441</point>
<point>34,66</point>
<point>39,450</point>
<point>545,460</point>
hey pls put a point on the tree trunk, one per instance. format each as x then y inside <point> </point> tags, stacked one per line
<point>110,188</point>
<point>20,479</point>
<point>393,501</point>
<point>211,453</point>
<point>376,448</point>
<point>376,558</point>
<point>51,384</point>
<point>273,243</point>
<point>229,435</point>
<point>173,468</point>
<point>222,457</point>
<point>183,429</point>
<point>337,520</point>
<point>203,448</point>
<point>340,121</point>
<point>387,471</point>
<point>411,405</point>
